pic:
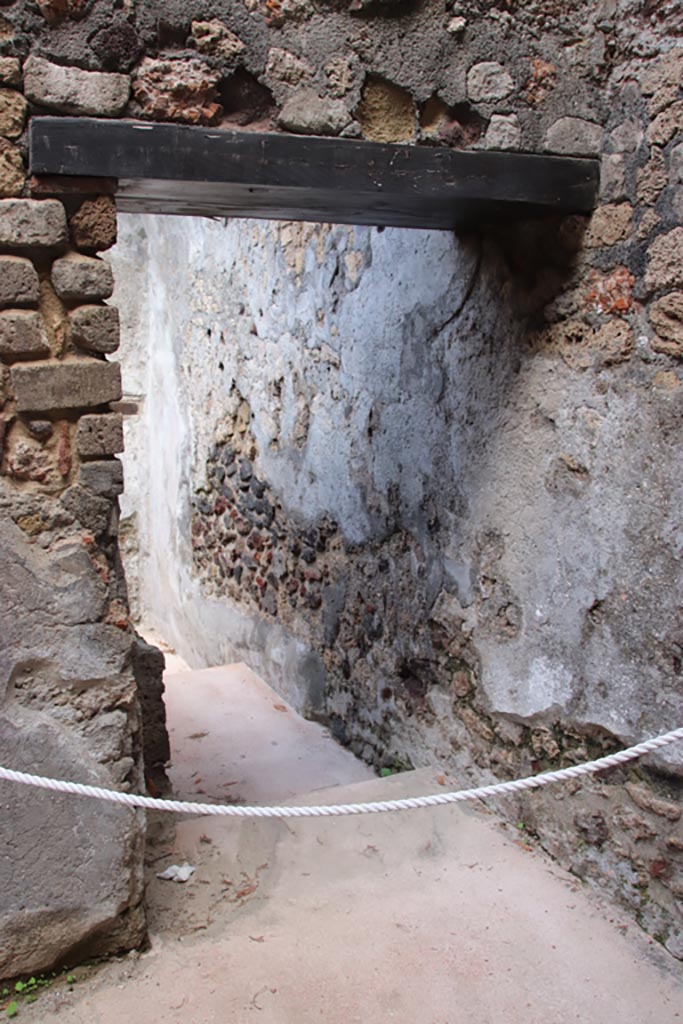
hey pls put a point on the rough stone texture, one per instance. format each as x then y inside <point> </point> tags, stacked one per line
<point>105,478</point>
<point>22,336</point>
<point>148,666</point>
<point>176,90</point>
<point>216,39</point>
<point>18,282</point>
<point>386,113</point>
<point>503,132</point>
<point>100,435</point>
<point>309,114</point>
<point>574,136</point>
<point>10,71</point>
<point>666,316</point>
<point>32,226</point>
<point>285,71</point>
<point>95,328</point>
<point>665,261</point>
<point>73,385</point>
<point>609,224</point>
<point>71,90</point>
<point>13,109</point>
<point>82,279</point>
<point>67,709</point>
<point>12,173</point>
<point>93,226</point>
<point>488,81</point>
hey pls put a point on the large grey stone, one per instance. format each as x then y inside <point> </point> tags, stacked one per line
<point>71,90</point>
<point>79,384</point>
<point>70,870</point>
<point>18,282</point>
<point>574,136</point>
<point>309,114</point>
<point>32,226</point>
<point>95,328</point>
<point>79,278</point>
<point>22,335</point>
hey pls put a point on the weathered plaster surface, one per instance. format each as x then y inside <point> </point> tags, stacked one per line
<point>494,583</point>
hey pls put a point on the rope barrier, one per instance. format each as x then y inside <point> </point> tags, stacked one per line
<point>377,807</point>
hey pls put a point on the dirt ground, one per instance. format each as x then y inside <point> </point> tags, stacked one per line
<point>436,916</point>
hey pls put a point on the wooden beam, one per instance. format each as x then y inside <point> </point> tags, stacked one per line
<point>164,168</point>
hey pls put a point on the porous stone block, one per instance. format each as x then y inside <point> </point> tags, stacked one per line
<point>10,71</point>
<point>216,39</point>
<point>609,224</point>
<point>12,173</point>
<point>81,384</point>
<point>93,226</point>
<point>184,89</point>
<point>666,316</point>
<point>574,136</point>
<point>72,90</point>
<point>386,112</point>
<point>488,81</point>
<point>99,435</point>
<point>665,261</point>
<point>503,132</point>
<point>309,114</point>
<point>13,109</point>
<point>22,335</point>
<point>665,125</point>
<point>32,225</point>
<point>18,282</point>
<point>104,478</point>
<point>79,278</point>
<point>95,328</point>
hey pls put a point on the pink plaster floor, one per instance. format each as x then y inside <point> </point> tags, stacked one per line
<point>436,916</point>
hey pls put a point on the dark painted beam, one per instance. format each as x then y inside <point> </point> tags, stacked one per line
<point>163,168</point>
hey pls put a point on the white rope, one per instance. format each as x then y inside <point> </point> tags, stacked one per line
<point>379,807</point>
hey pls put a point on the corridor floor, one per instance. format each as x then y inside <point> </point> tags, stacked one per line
<point>436,916</point>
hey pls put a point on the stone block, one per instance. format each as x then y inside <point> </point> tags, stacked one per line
<point>10,71</point>
<point>676,165</point>
<point>182,89</point>
<point>309,114</point>
<point>609,224</point>
<point>99,435</point>
<point>82,384</point>
<point>72,90</point>
<point>665,125</point>
<point>503,132</point>
<point>652,178</point>
<point>79,278</point>
<point>386,113</point>
<point>666,316</point>
<point>32,226</point>
<point>22,335</point>
<point>95,328</point>
<point>216,39</point>
<point>488,82</point>
<point>665,261</point>
<point>93,226</point>
<point>13,109</point>
<point>104,478</point>
<point>12,173</point>
<point>18,282</point>
<point>574,136</point>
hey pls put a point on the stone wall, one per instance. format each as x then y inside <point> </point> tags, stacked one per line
<point>530,528</point>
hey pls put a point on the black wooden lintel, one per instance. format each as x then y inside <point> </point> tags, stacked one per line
<point>165,168</point>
